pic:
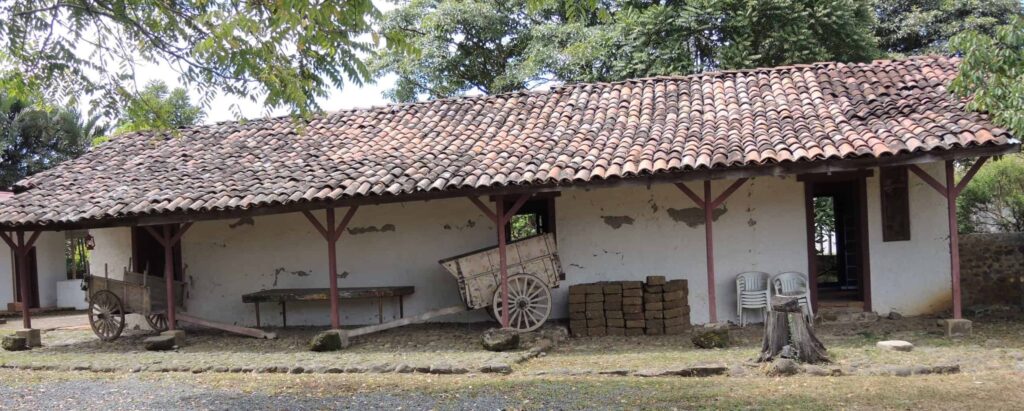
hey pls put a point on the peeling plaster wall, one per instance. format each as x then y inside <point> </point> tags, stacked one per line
<point>911,277</point>
<point>627,232</point>
<point>760,227</point>
<point>51,266</point>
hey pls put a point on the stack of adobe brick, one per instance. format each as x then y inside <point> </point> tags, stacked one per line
<point>629,308</point>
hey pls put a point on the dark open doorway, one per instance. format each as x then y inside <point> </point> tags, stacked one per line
<point>837,236</point>
<point>33,276</point>
<point>148,253</point>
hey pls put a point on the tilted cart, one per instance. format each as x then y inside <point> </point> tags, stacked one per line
<point>533,270</point>
<point>110,299</point>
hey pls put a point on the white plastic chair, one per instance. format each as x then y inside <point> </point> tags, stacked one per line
<point>794,284</point>
<point>752,294</point>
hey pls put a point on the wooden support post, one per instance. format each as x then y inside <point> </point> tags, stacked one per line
<point>951,190</point>
<point>708,205</point>
<point>169,278</point>
<point>331,234</point>
<point>21,249</point>
<point>500,217</point>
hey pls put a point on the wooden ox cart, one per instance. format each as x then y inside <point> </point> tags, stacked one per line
<point>110,299</point>
<point>533,270</point>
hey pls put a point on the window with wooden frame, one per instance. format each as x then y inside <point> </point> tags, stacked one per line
<point>536,216</point>
<point>895,199</point>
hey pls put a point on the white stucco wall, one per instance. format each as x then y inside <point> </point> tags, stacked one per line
<point>912,277</point>
<point>627,232</point>
<point>51,265</point>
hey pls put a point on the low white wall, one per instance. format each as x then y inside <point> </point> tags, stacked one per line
<point>618,233</point>
<point>70,294</point>
<point>51,264</point>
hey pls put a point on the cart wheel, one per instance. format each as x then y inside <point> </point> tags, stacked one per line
<point>158,322</point>
<point>106,315</point>
<point>529,302</point>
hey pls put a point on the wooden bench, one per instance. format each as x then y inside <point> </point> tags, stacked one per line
<point>284,295</point>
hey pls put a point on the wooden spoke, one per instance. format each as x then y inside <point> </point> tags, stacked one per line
<point>106,315</point>
<point>529,301</point>
<point>158,322</point>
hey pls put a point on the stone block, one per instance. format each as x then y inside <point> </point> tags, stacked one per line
<point>597,306</point>
<point>676,321</point>
<point>330,340</point>
<point>660,324</point>
<point>630,332</point>
<point>575,325</point>
<point>674,313</point>
<point>595,298</point>
<point>613,314</point>
<point>895,345</point>
<point>654,330</point>
<point>711,337</point>
<point>631,285</point>
<point>668,305</point>
<point>672,295</point>
<point>577,298</point>
<point>676,330</point>
<point>594,314</point>
<point>179,336</point>
<point>595,322</point>
<point>498,339</point>
<point>655,280</point>
<point>632,300</point>
<point>653,289</point>
<point>577,289</point>
<point>616,331</point>
<point>613,288</point>
<point>677,285</point>
<point>32,337</point>
<point>958,327</point>
<point>634,316</point>
<point>635,323</point>
<point>612,305</point>
<point>161,342</point>
<point>657,306</point>
<point>597,331</point>
<point>593,289</point>
<point>615,323</point>
<point>614,298</point>
<point>652,298</point>
<point>636,292</point>
<point>652,315</point>
<point>632,308</point>
<point>577,315</point>
<point>577,308</point>
<point>14,343</point>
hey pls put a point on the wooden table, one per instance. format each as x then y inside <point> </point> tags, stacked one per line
<point>283,295</point>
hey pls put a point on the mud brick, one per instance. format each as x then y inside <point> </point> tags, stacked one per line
<point>653,315</point>
<point>652,297</point>
<point>577,325</point>
<point>634,292</point>
<point>677,285</point>
<point>615,298</point>
<point>632,308</point>
<point>612,288</point>
<point>613,314</point>
<point>631,285</point>
<point>597,332</point>
<point>608,305</point>
<point>598,306</point>
<point>577,298</point>
<point>615,323</point>
<point>655,280</point>
<point>668,305</point>
<point>651,323</point>
<point>653,307</point>
<point>633,316</point>
<point>632,300</point>
<point>675,330</point>
<point>635,323</point>
<point>592,314</point>
<point>675,322</point>
<point>674,313</point>
<point>595,298</point>
<point>593,289</point>
<point>617,331</point>
<point>654,289</point>
<point>654,330</point>
<point>577,308</point>
<point>578,316</point>
<point>673,295</point>
<point>630,332</point>
<point>577,289</point>
<point>595,322</point>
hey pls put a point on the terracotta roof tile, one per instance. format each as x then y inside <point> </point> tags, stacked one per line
<point>570,134</point>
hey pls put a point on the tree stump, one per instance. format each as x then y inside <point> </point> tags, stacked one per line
<point>787,334</point>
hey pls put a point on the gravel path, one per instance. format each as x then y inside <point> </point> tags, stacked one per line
<point>136,394</point>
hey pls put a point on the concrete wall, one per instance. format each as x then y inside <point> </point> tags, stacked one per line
<point>911,277</point>
<point>619,233</point>
<point>51,265</point>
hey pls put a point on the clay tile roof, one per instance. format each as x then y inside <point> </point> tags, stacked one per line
<point>568,135</point>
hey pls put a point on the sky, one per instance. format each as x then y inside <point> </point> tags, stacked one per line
<point>220,109</point>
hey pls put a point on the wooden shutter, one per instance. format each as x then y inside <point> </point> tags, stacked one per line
<point>895,204</point>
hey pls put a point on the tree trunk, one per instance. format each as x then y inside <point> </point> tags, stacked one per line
<point>788,334</point>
